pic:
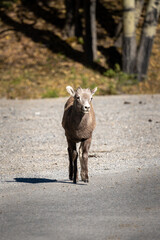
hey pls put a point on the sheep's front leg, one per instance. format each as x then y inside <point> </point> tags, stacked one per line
<point>70,164</point>
<point>84,148</point>
<point>73,155</point>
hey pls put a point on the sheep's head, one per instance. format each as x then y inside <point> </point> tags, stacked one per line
<point>82,98</point>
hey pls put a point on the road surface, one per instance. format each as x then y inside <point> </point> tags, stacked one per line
<point>122,199</point>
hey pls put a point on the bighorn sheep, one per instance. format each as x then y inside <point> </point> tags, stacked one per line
<point>79,122</point>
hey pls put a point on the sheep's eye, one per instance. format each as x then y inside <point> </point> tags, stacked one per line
<point>91,98</point>
<point>78,98</point>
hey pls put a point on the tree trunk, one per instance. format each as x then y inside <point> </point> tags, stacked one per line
<point>139,7</point>
<point>78,20</point>
<point>70,18</point>
<point>90,39</point>
<point>148,34</point>
<point>73,25</point>
<point>129,40</point>
<point>119,30</point>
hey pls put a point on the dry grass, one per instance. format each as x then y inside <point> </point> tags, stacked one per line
<point>36,61</point>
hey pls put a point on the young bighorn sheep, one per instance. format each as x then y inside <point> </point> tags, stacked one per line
<point>79,122</point>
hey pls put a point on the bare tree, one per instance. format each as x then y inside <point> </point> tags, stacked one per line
<point>73,22</point>
<point>90,39</point>
<point>148,34</point>
<point>129,40</point>
<point>119,29</point>
<point>73,25</point>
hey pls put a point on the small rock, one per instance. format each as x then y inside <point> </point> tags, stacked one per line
<point>37,113</point>
<point>126,102</point>
<point>106,168</point>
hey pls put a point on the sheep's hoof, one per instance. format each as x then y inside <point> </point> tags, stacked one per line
<point>70,178</point>
<point>84,177</point>
<point>85,180</point>
<point>75,180</point>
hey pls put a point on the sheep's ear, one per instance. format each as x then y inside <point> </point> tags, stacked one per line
<point>70,90</point>
<point>79,88</point>
<point>93,91</point>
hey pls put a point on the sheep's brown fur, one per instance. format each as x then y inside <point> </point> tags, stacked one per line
<point>79,123</point>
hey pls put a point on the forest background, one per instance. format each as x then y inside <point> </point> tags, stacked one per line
<point>38,59</point>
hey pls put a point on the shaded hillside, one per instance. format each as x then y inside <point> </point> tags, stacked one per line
<point>36,60</point>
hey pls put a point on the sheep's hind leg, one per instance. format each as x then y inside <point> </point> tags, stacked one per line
<point>83,155</point>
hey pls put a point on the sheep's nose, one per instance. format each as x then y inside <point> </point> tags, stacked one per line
<point>87,108</point>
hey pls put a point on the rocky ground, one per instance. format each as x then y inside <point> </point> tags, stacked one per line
<point>124,168</point>
<point>33,142</point>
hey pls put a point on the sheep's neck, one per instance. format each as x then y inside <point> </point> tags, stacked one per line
<point>79,118</point>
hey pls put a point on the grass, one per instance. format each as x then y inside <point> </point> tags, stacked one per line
<point>119,80</point>
<point>51,93</point>
<point>84,81</point>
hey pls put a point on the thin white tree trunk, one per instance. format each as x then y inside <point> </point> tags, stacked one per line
<point>148,34</point>
<point>119,31</point>
<point>129,40</point>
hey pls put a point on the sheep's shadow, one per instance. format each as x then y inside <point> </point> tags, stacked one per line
<point>34,180</point>
<point>44,180</point>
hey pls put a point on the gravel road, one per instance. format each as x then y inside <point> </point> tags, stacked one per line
<point>122,199</point>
